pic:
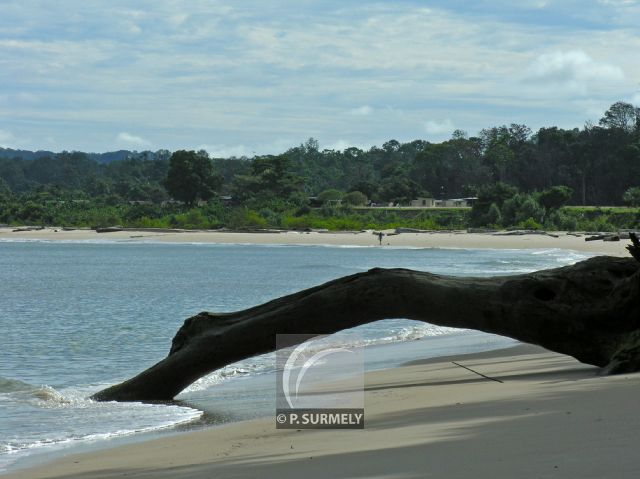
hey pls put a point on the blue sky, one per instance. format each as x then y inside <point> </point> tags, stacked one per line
<point>245,76</point>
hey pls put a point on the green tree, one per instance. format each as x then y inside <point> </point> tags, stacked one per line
<point>330,195</point>
<point>31,211</point>
<point>270,179</point>
<point>555,197</point>
<point>191,177</point>
<point>632,196</point>
<point>5,191</point>
<point>493,216</point>
<point>520,208</point>
<point>621,115</point>
<point>365,187</point>
<point>399,188</point>
<point>497,194</point>
<point>355,198</point>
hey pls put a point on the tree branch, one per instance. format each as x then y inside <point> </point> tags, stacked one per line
<point>589,311</point>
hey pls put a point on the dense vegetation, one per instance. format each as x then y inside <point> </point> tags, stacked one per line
<point>521,179</point>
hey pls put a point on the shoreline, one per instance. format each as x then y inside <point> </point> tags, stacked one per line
<point>458,240</point>
<point>551,416</point>
<point>213,405</point>
<point>408,426</point>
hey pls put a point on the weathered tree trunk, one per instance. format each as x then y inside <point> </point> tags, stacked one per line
<point>590,311</point>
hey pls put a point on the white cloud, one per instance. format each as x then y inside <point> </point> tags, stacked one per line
<point>276,147</point>
<point>130,140</point>
<point>618,2</point>
<point>6,138</point>
<point>236,76</point>
<point>438,128</point>
<point>387,39</point>
<point>9,140</point>
<point>178,19</point>
<point>227,151</point>
<point>26,97</point>
<point>364,110</point>
<point>572,71</point>
<point>239,150</point>
<point>339,145</point>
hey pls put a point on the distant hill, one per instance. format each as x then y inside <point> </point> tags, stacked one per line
<point>103,158</point>
<point>24,154</point>
<point>110,156</point>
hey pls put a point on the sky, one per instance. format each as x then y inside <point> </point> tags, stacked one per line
<point>249,77</point>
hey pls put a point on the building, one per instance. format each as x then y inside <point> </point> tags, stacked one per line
<point>450,203</point>
<point>422,203</point>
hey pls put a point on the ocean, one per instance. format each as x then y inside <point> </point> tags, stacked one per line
<point>76,317</point>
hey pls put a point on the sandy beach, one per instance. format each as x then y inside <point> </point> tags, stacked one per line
<point>549,417</point>
<point>367,238</point>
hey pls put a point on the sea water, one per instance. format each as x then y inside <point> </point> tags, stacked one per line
<point>76,317</point>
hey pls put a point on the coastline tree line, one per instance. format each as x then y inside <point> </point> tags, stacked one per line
<point>520,178</point>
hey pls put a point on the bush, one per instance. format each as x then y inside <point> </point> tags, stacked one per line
<point>425,224</point>
<point>254,220</point>
<point>329,211</point>
<point>136,212</point>
<point>497,194</point>
<point>354,198</point>
<point>632,196</point>
<point>600,224</point>
<point>555,197</point>
<point>242,218</point>
<point>146,222</point>
<point>192,219</point>
<point>530,209</point>
<point>520,208</point>
<point>330,195</point>
<point>272,218</point>
<point>304,210</point>
<point>493,216</point>
<point>559,220</point>
<point>297,222</point>
<point>344,224</point>
<point>103,219</point>
<point>31,212</point>
<point>529,224</point>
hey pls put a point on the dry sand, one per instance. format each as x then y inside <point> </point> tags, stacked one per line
<point>551,417</point>
<point>419,240</point>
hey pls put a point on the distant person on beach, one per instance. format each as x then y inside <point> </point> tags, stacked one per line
<point>380,236</point>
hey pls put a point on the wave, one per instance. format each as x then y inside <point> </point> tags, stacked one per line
<point>91,420</point>
<point>73,241</point>
<point>382,332</point>
<point>15,390</point>
<point>411,333</point>
<point>14,446</point>
<point>143,241</point>
<point>8,385</point>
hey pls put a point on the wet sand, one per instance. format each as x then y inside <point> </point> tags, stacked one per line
<point>366,238</point>
<point>549,417</point>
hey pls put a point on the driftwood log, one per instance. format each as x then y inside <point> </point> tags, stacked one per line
<point>590,310</point>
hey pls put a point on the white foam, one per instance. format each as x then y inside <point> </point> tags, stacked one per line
<point>409,331</point>
<point>92,421</point>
